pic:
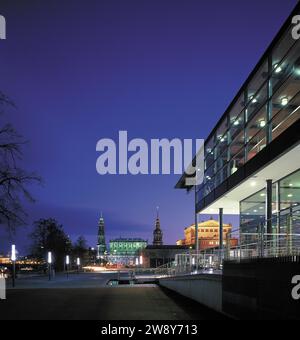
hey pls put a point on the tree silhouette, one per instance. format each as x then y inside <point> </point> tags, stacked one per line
<point>80,248</point>
<point>13,179</point>
<point>48,235</point>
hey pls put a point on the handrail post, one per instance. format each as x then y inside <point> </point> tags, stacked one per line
<point>221,214</point>
<point>228,245</point>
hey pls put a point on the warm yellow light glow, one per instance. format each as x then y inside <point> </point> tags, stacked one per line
<point>94,269</point>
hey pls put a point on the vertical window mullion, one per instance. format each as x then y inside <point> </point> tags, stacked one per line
<point>269,103</point>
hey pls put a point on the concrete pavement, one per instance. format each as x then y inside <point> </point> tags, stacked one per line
<point>74,280</point>
<point>86,297</point>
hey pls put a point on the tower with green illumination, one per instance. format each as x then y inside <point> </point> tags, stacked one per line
<point>101,245</point>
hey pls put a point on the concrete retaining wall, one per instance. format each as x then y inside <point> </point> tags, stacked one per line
<point>205,289</point>
<point>261,289</point>
<point>252,289</point>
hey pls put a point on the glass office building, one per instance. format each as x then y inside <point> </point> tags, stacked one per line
<point>252,157</point>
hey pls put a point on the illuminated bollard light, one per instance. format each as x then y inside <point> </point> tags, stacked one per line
<point>49,264</point>
<point>2,288</point>
<point>67,264</point>
<point>78,264</point>
<point>13,259</point>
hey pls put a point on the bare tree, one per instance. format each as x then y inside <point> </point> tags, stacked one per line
<point>13,179</point>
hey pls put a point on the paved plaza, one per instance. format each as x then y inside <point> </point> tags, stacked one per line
<point>87,297</point>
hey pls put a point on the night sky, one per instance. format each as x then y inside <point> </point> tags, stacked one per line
<point>80,71</point>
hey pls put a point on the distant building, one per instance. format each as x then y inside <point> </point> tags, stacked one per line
<point>101,245</point>
<point>125,251</point>
<point>157,233</point>
<point>21,261</point>
<point>126,246</point>
<point>156,256</point>
<point>208,233</point>
<point>4,260</point>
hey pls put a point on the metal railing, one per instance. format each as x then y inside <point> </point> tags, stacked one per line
<point>191,263</point>
<point>254,245</point>
<point>251,246</point>
<point>252,241</point>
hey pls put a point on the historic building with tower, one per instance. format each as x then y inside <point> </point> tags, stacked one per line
<point>157,233</point>
<point>158,254</point>
<point>101,245</point>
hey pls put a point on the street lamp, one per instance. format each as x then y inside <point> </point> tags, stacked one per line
<point>67,264</point>
<point>13,259</point>
<point>78,264</point>
<point>49,264</point>
<point>92,256</point>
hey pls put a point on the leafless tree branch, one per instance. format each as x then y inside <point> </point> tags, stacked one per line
<point>13,180</point>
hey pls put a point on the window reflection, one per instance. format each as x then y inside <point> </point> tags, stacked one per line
<point>290,191</point>
<point>257,82</point>
<point>282,48</point>
<point>285,118</point>
<point>256,102</point>
<point>236,110</point>
<point>287,219</point>
<point>253,211</point>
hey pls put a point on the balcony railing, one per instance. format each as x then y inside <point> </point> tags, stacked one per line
<point>252,246</point>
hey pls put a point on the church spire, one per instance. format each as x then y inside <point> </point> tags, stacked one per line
<point>101,245</point>
<point>157,233</point>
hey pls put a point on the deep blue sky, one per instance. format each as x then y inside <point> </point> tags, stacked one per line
<point>83,70</point>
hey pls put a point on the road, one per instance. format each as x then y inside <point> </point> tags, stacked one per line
<point>87,297</point>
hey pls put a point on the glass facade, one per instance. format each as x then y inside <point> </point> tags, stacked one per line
<point>268,105</point>
<point>285,208</point>
<point>126,247</point>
